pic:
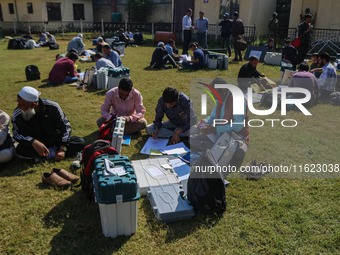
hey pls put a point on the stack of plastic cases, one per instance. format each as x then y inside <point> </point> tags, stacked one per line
<point>118,133</point>
<point>115,75</point>
<point>116,196</point>
<point>150,173</point>
<point>212,60</point>
<point>102,78</point>
<point>169,203</point>
<point>119,46</point>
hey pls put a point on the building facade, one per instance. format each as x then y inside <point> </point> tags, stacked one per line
<point>46,11</point>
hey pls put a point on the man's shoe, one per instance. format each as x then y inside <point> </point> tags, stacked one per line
<point>55,180</point>
<point>65,175</point>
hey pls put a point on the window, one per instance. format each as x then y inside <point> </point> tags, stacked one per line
<point>78,11</point>
<point>29,8</point>
<point>53,11</point>
<point>11,8</point>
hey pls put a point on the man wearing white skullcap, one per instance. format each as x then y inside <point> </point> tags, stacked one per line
<point>42,129</point>
<point>76,43</point>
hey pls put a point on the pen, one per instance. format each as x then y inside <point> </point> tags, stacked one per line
<point>154,130</point>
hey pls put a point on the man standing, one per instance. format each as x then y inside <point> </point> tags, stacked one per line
<point>237,32</point>
<point>197,61</point>
<point>179,109</point>
<point>77,43</point>
<point>63,70</point>
<point>249,75</point>
<point>305,31</point>
<point>273,26</point>
<point>226,25</point>
<point>42,129</point>
<point>202,26</point>
<point>187,31</point>
<point>113,56</point>
<point>127,102</point>
<point>306,80</point>
<point>328,78</point>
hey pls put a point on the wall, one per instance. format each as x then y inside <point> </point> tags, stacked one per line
<point>40,11</point>
<point>326,13</point>
<point>251,11</point>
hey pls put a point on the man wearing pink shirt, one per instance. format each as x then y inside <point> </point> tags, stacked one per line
<point>127,102</point>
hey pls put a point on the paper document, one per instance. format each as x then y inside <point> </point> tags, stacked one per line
<point>111,169</point>
<point>154,144</point>
<point>177,149</point>
<point>181,168</point>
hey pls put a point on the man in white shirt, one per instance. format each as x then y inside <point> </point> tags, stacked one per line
<point>187,31</point>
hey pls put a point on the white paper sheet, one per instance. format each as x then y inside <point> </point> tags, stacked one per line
<point>155,144</point>
<point>178,148</point>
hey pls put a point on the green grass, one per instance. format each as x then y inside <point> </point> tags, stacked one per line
<point>268,216</point>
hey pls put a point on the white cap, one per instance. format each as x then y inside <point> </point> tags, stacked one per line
<point>100,38</point>
<point>29,94</point>
<point>160,44</point>
<point>80,35</point>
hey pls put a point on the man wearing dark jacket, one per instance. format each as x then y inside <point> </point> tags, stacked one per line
<point>248,74</point>
<point>289,53</point>
<point>42,129</point>
<point>160,57</point>
<point>305,30</point>
<point>237,32</point>
<point>226,25</point>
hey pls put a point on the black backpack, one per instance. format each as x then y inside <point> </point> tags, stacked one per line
<point>32,73</point>
<point>54,46</point>
<point>17,44</point>
<point>206,192</point>
<point>90,153</point>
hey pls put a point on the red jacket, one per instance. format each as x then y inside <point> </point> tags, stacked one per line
<point>62,68</point>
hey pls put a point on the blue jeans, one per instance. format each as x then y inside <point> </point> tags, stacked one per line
<point>68,79</point>
<point>202,39</point>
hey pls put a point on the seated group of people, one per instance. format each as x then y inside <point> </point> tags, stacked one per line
<point>320,79</point>
<point>45,39</point>
<point>64,70</point>
<point>168,54</point>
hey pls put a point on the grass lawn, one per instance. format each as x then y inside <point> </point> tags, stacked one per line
<point>268,216</point>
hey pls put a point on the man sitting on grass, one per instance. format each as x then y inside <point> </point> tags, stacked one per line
<point>102,62</point>
<point>306,80</point>
<point>127,102</point>
<point>160,57</point>
<point>197,61</point>
<point>179,109</point>
<point>63,70</point>
<point>249,75</point>
<point>201,142</point>
<point>113,56</point>
<point>42,129</point>
<point>7,149</point>
<point>77,43</point>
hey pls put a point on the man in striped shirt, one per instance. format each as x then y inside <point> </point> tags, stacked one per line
<point>42,129</point>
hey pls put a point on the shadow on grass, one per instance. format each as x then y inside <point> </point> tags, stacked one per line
<point>90,138</point>
<point>81,231</point>
<point>16,167</point>
<point>180,229</point>
<point>96,92</point>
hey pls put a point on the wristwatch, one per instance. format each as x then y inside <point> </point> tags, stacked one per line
<point>63,148</point>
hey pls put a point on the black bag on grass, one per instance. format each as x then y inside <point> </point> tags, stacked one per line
<point>17,44</point>
<point>32,73</point>
<point>54,46</point>
<point>206,192</point>
<point>90,153</point>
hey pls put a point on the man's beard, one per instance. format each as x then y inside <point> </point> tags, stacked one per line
<point>28,114</point>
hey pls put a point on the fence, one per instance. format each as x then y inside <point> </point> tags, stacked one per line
<point>107,28</point>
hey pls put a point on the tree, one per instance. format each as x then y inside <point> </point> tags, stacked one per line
<point>139,10</point>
